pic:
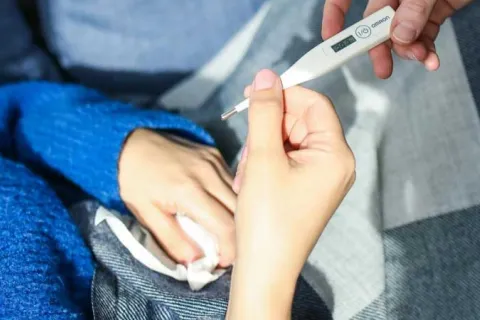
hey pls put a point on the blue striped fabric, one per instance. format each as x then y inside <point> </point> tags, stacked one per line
<point>125,289</point>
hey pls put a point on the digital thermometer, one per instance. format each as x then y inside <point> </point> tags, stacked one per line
<point>334,52</point>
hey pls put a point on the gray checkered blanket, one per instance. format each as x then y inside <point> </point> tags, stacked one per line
<point>405,242</point>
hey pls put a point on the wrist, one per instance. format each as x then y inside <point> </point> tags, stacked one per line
<point>261,291</point>
<point>283,260</point>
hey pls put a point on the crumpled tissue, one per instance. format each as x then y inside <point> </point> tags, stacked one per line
<point>143,247</point>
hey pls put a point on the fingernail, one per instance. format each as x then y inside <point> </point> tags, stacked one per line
<point>235,185</point>
<point>405,32</point>
<point>411,56</point>
<point>243,154</point>
<point>265,79</point>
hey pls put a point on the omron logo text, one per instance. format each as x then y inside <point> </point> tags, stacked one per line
<point>380,21</point>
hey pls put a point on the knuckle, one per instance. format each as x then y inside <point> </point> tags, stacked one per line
<point>214,155</point>
<point>417,7</point>
<point>348,165</point>
<point>189,189</point>
<point>215,152</point>
<point>211,154</point>
<point>323,100</point>
<point>203,152</point>
<point>270,104</point>
<point>205,168</point>
<point>264,105</point>
<point>351,163</point>
<point>199,165</point>
<point>263,95</point>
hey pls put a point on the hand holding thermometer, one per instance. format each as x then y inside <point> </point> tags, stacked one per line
<point>334,52</point>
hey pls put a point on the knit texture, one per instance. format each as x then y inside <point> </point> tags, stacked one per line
<point>75,133</point>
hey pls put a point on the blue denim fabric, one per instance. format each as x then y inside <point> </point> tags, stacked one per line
<point>139,47</point>
<point>20,58</point>
<point>126,47</point>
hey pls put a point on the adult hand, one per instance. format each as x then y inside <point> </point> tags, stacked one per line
<point>414,29</point>
<point>295,170</point>
<point>161,175</point>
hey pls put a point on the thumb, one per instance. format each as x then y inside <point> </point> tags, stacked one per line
<point>265,114</point>
<point>410,20</point>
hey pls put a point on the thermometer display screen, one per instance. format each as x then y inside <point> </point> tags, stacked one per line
<point>344,43</point>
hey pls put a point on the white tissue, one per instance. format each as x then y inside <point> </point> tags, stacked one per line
<point>198,273</point>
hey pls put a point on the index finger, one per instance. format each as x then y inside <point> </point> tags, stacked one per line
<point>215,218</point>
<point>312,106</point>
<point>381,55</point>
<point>298,99</point>
<point>334,13</point>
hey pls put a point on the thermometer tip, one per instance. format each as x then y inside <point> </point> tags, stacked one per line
<point>228,114</point>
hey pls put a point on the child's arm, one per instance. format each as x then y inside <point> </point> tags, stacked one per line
<point>77,132</point>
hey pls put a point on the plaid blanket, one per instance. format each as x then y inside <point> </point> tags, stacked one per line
<point>405,243</point>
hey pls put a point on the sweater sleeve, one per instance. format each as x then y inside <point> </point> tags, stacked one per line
<point>78,133</point>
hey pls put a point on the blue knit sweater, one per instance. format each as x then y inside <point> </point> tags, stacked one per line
<point>50,133</point>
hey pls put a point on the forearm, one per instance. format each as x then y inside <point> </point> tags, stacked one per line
<point>264,280</point>
<point>78,133</point>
